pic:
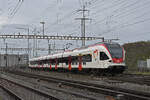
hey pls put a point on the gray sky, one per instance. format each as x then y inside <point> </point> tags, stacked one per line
<point>124,19</point>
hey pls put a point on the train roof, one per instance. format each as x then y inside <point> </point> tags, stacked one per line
<point>73,52</point>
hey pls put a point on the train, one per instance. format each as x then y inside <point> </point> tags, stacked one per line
<point>100,58</point>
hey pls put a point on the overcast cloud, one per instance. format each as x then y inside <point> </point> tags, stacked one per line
<point>128,20</point>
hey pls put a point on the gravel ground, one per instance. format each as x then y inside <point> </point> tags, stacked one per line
<point>5,96</point>
<point>125,85</point>
<point>65,96</point>
<point>93,79</point>
<point>22,92</point>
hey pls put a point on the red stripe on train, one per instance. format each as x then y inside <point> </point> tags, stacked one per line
<point>69,67</point>
<point>56,64</point>
<point>117,60</point>
<point>80,63</point>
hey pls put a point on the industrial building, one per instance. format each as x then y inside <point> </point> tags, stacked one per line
<point>13,60</point>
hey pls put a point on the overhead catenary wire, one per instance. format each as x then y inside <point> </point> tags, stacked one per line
<point>127,13</point>
<point>68,15</point>
<point>131,11</point>
<point>113,4</point>
<point>123,12</point>
<point>46,10</point>
<point>135,18</point>
<point>126,25</point>
<point>117,10</point>
<point>96,4</point>
<point>15,10</point>
<point>63,19</point>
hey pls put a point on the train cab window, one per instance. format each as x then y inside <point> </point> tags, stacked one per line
<point>103,56</point>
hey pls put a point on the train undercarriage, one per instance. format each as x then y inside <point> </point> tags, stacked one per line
<point>111,70</point>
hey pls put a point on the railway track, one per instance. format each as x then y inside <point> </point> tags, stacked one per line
<point>130,78</point>
<point>12,94</point>
<point>77,95</point>
<point>133,78</point>
<point>23,91</point>
<point>107,90</point>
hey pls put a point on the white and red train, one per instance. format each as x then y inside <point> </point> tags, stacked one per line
<point>98,58</point>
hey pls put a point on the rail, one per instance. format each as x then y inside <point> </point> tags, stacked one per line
<point>107,90</point>
<point>11,93</point>
<point>45,94</point>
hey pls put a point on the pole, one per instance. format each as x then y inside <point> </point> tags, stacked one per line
<point>49,49</point>
<point>36,46</point>
<point>19,60</point>
<point>83,19</point>
<point>6,54</point>
<point>83,43</point>
<point>43,29</point>
<point>103,39</point>
<point>27,47</point>
<point>0,60</point>
<point>28,37</point>
<point>28,43</point>
<point>82,32</point>
<point>43,26</point>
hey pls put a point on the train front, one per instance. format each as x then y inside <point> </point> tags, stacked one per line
<point>117,53</point>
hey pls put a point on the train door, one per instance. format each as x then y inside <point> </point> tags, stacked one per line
<point>103,59</point>
<point>95,59</point>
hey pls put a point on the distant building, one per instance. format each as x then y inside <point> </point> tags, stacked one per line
<point>13,60</point>
<point>144,65</point>
<point>148,63</point>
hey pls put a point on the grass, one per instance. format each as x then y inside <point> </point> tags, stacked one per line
<point>137,72</point>
<point>142,73</point>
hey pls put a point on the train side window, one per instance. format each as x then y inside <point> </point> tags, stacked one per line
<point>74,60</point>
<point>31,62</point>
<point>84,63</point>
<point>52,62</point>
<point>66,63</point>
<point>103,56</point>
<point>72,63</point>
<point>87,58</point>
<point>76,63</point>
